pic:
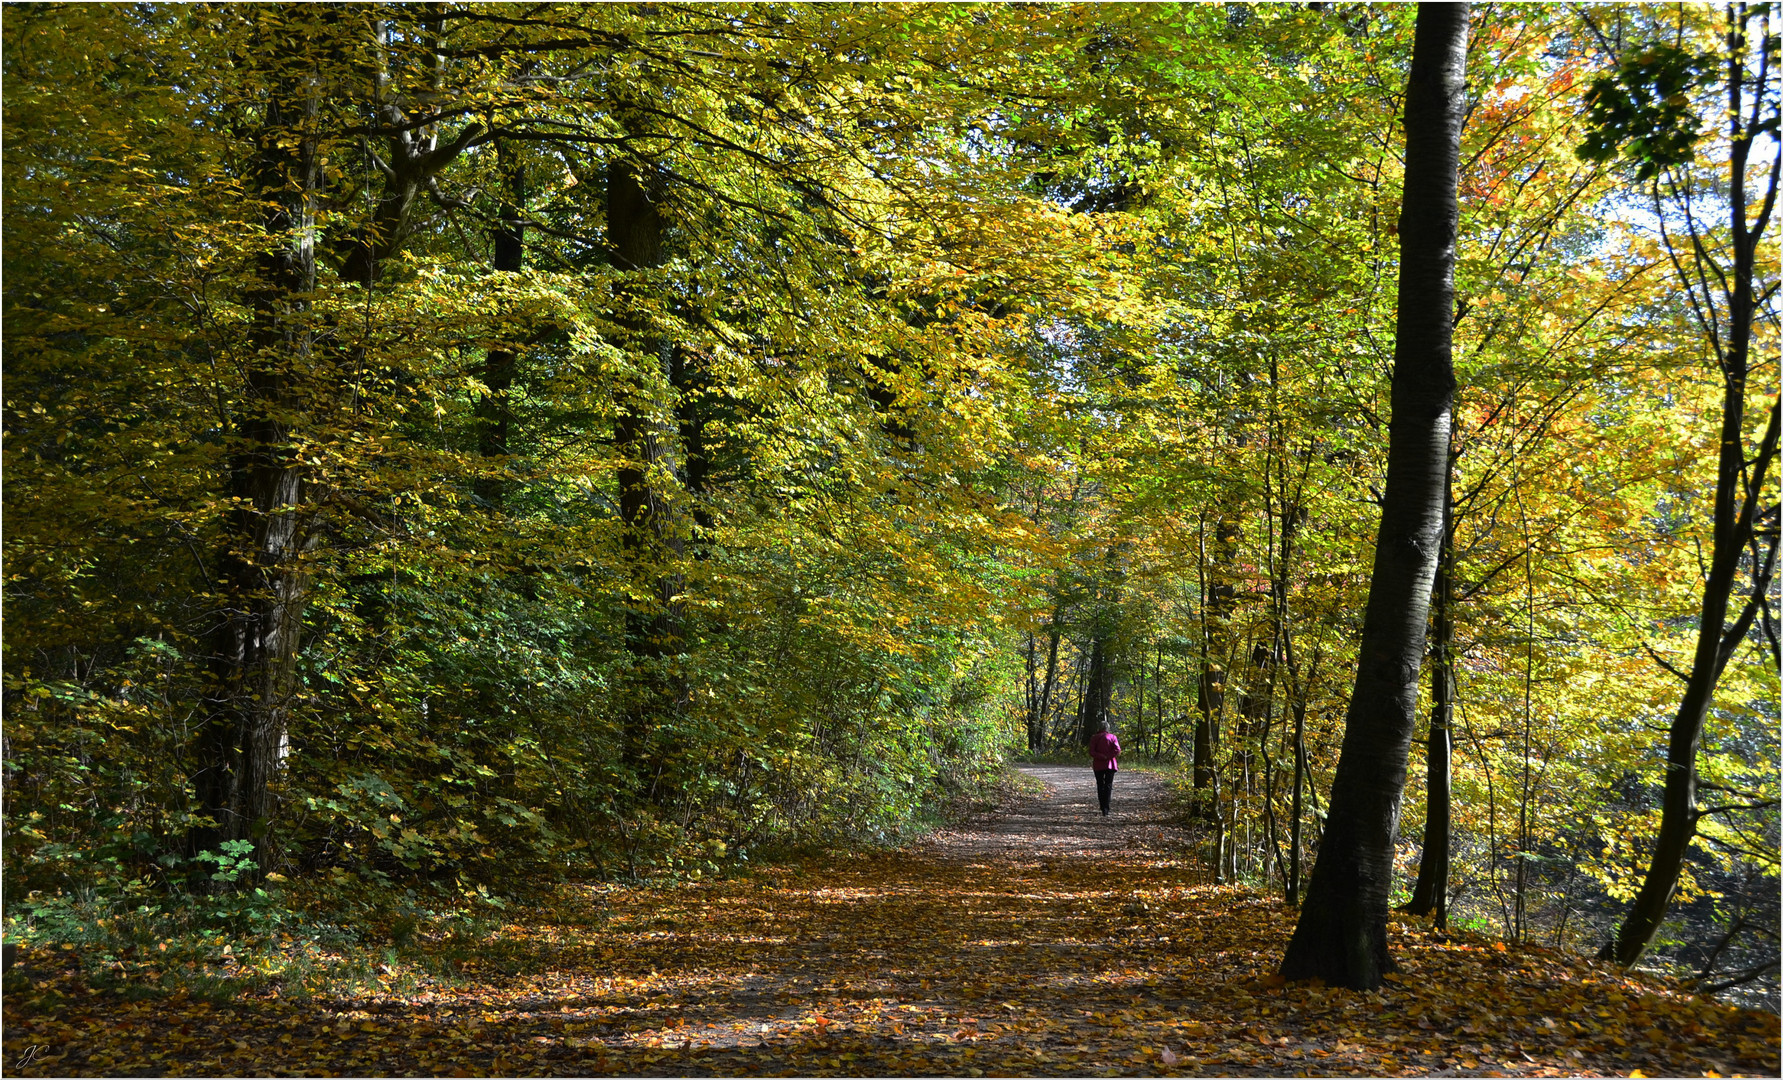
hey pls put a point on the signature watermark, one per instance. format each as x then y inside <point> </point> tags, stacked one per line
<point>29,1054</point>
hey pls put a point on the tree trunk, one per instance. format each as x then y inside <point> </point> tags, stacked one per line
<point>1715,644</point>
<point>410,155</point>
<point>253,649</point>
<point>1342,933</point>
<point>1271,827</point>
<point>652,529</point>
<point>1255,711</point>
<point>1098,690</point>
<point>1048,687</point>
<point>1139,734</point>
<point>1031,691</point>
<point>1740,496</point>
<point>1158,691</point>
<point>1203,763</point>
<point>1299,706</point>
<point>692,380</point>
<point>494,410</point>
<point>1080,681</point>
<point>1296,694</point>
<point>1431,895</point>
<point>1216,611</point>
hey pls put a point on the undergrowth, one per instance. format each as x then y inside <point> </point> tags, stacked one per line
<point>344,935</point>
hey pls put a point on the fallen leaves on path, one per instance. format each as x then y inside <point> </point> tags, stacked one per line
<point>1121,961</point>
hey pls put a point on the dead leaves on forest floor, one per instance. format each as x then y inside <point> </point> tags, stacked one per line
<point>1119,961</point>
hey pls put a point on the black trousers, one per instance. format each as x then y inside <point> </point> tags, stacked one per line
<point>1104,786</point>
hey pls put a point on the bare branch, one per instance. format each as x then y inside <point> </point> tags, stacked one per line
<point>1660,660</point>
<point>1738,980</point>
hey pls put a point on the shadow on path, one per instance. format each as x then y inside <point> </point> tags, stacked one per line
<point>1039,940</point>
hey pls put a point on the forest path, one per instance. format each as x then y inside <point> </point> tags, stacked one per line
<point>1040,939</point>
<point>1063,822</point>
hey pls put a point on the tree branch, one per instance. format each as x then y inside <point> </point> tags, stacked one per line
<point>1660,660</point>
<point>1743,977</point>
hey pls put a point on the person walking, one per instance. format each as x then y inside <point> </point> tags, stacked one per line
<point>1105,747</point>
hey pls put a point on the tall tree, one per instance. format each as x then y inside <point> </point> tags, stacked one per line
<point>1040,692</point>
<point>495,408</point>
<point>1643,111</point>
<point>1431,893</point>
<point>1217,595</point>
<point>325,81</point>
<point>1342,933</point>
<point>254,646</point>
<point>649,506</point>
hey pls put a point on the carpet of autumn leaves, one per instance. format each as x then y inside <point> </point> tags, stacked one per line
<point>1059,945</point>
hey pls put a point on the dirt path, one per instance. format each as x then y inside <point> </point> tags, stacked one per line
<point>1040,940</point>
<point>1064,821</point>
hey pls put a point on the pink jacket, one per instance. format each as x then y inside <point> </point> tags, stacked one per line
<point>1104,747</point>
